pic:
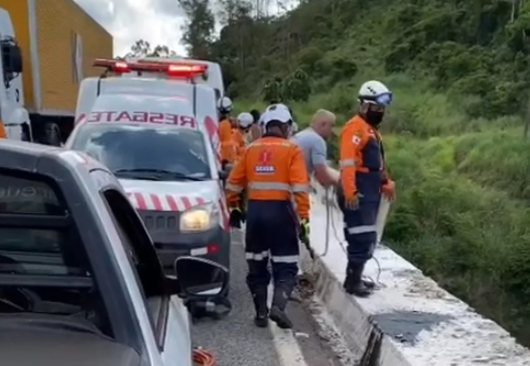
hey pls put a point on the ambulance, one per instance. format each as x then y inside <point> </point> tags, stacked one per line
<point>159,137</point>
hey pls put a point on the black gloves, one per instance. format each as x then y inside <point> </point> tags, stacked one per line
<point>236,218</point>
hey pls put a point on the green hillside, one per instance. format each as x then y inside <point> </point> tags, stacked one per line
<point>459,71</point>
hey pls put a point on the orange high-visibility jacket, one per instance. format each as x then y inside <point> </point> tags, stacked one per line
<point>271,169</point>
<point>239,141</point>
<point>3,134</point>
<point>226,141</point>
<point>360,152</point>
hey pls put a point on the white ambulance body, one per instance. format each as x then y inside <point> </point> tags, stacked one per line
<point>159,136</point>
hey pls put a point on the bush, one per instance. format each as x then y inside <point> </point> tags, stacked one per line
<point>459,75</point>
<point>471,237</point>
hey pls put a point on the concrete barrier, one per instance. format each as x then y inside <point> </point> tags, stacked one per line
<point>409,320</point>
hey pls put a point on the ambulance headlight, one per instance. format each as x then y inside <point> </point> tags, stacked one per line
<point>199,218</point>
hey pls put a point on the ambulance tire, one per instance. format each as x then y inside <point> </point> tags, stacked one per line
<point>26,133</point>
<point>52,134</point>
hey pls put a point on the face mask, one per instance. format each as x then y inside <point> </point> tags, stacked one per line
<point>374,118</point>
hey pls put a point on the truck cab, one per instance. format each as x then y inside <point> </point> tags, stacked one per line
<point>13,115</point>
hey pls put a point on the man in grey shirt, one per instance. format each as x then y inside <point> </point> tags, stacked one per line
<point>312,141</point>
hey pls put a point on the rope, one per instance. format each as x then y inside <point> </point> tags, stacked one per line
<point>202,357</point>
<point>330,221</point>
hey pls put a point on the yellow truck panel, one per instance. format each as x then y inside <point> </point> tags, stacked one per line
<point>59,42</point>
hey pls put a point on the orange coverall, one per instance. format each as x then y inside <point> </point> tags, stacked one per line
<point>272,169</point>
<point>226,140</point>
<point>3,134</point>
<point>239,140</point>
<point>363,173</point>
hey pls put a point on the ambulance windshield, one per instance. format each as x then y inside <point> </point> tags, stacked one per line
<point>147,152</point>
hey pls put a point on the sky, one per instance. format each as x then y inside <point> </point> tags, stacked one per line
<point>156,21</point>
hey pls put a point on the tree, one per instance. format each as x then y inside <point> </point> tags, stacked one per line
<point>199,28</point>
<point>142,48</point>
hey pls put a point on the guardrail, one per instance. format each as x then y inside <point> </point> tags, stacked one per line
<point>409,320</point>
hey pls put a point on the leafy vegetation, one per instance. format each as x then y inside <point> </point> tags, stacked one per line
<point>456,134</point>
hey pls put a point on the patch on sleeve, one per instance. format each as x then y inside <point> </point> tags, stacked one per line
<point>356,139</point>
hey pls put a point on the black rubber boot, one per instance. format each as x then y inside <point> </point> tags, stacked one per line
<point>279,302</point>
<point>354,284</point>
<point>369,284</point>
<point>259,296</point>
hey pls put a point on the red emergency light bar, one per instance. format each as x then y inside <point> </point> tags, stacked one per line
<point>182,70</point>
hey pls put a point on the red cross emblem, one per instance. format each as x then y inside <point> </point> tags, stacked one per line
<point>265,157</point>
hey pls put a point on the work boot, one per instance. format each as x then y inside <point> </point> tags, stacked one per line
<point>259,296</point>
<point>354,284</point>
<point>279,302</point>
<point>369,283</point>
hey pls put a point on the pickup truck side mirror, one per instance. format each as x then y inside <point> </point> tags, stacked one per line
<point>200,278</point>
<point>11,57</point>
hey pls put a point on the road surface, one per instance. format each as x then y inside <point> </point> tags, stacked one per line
<point>235,341</point>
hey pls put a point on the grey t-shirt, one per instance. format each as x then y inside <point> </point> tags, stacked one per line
<point>313,146</point>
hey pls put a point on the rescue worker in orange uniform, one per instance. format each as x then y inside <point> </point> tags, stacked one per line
<point>272,169</point>
<point>3,134</point>
<point>226,126</point>
<point>242,134</point>
<point>363,178</point>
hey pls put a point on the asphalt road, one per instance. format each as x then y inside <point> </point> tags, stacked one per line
<point>235,341</point>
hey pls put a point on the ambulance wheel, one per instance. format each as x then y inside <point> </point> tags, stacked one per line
<point>25,135</point>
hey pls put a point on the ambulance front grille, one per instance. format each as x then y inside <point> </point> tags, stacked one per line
<point>160,221</point>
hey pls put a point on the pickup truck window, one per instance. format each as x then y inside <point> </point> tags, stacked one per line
<point>144,260</point>
<point>25,196</point>
<point>44,268</point>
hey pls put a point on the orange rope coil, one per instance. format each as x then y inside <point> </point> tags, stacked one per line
<point>203,357</point>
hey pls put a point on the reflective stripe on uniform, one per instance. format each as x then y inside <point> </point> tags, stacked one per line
<point>362,229</point>
<point>234,188</point>
<point>257,256</point>
<point>347,162</point>
<point>285,258</point>
<point>265,186</point>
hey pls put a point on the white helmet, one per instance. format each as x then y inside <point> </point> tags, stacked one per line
<point>375,92</point>
<point>224,104</point>
<point>276,112</point>
<point>245,119</point>
<point>277,105</point>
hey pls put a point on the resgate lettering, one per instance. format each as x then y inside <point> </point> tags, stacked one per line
<point>147,117</point>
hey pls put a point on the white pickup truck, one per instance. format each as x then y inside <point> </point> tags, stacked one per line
<point>80,280</point>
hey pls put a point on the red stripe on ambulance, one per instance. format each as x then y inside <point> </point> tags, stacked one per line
<point>213,134</point>
<point>81,118</point>
<point>163,202</point>
<point>156,202</point>
<point>141,205</point>
<point>186,202</point>
<point>172,203</point>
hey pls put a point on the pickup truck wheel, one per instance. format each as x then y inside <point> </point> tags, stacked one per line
<point>52,135</point>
